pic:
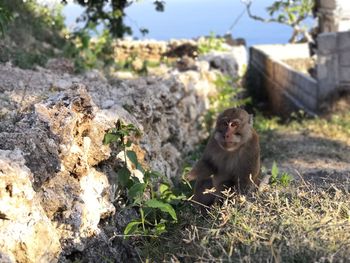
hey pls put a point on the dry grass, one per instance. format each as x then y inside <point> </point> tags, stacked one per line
<point>306,221</point>
<point>300,223</point>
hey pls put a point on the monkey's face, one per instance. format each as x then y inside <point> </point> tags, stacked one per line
<point>232,129</point>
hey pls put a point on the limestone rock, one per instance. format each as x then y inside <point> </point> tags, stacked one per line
<point>56,122</point>
<point>232,62</point>
<point>27,235</point>
<point>37,143</point>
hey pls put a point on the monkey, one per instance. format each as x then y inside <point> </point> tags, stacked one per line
<point>231,158</point>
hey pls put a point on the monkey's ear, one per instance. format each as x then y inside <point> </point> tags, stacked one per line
<point>250,121</point>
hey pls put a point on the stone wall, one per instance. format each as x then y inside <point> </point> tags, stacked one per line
<point>58,180</point>
<point>151,50</point>
<point>286,88</point>
<point>333,63</point>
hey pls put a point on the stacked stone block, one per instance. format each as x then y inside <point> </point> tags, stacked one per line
<point>333,63</point>
<point>286,88</point>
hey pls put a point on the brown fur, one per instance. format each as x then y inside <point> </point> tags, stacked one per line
<point>230,159</point>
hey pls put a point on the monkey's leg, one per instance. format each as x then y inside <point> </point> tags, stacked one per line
<point>221,184</point>
<point>202,192</point>
<point>203,171</point>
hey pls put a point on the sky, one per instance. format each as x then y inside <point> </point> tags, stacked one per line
<point>194,18</point>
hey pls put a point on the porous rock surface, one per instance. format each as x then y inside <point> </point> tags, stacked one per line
<point>55,172</point>
<point>26,233</point>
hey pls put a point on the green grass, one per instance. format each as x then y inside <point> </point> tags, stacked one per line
<point>336,126</point>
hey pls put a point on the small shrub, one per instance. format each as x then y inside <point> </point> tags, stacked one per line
<point>151,195</point>
<point>211,43</point>
<point>284,179</point>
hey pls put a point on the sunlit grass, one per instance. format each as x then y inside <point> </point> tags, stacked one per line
<point>301,221</point>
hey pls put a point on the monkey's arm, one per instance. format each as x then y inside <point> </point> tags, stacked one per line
<point>202,170</point>
<point>250,168</point>
<point>202,173</point>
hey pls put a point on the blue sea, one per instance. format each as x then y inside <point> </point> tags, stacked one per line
<point>194,18</point>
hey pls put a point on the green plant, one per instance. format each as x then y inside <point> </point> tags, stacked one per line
<point>5,18</point>
<point>34,32</point>
<point>110,14</point>
<point>90,52</point>
<point>284,179</point>
<point>151,194</point>
<point>288,12</point>
<point>207,44</point>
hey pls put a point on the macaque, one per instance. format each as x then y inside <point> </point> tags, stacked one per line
<point>230,159</point>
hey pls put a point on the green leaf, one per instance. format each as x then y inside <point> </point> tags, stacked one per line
<point>292,17</point>
<point>136,190</point>
<point>164,207</point>
<point>155,174</point>
<point>274,170</point>
<point>132,157</point>
<point>160,228</point>
<point>163,188</point>
<point>110,137</point>
<point>128,143</point>
<point>132,227</point>
<point>285,179</point>
<point>140,168</point>
<point>123,176</point>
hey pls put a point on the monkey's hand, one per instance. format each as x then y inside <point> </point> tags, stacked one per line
<point>191,176</point>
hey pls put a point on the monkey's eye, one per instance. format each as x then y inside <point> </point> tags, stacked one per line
<point>238,134</point>
<point>233,124</point>
<point>223,124</point>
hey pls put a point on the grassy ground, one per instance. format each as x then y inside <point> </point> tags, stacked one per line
<point>306,221</point>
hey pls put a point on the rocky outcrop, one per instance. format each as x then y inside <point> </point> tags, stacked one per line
<point>232,62</point>
<point>75,196</point>
<point>57,177</point>
<point>26,232</point>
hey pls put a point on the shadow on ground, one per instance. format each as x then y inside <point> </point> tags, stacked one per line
<point>314,158</point>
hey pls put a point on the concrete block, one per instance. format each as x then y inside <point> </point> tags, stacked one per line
<point>274,94</point>
<point>281,71</point>
<point>344,74</point>
<point>343,40</point>
<point>257,56</point>
<point>309,101</point>
<point>327,67</point>
<point>327,43</point>
<point>344,58</point>
<point>305,83</point>
<point>269,67</point>
<point>296,104</point>
<point>325,87</point>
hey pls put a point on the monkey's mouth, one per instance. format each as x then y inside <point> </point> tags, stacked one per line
<point>229,145</point>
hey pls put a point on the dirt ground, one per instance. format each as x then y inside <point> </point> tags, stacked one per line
<point>316,150</point>
<point>314,158</point>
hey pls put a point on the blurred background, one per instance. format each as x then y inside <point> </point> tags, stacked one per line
<point>195,18</point>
